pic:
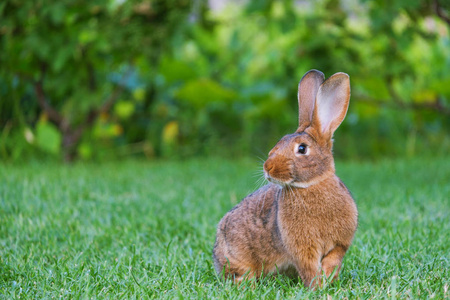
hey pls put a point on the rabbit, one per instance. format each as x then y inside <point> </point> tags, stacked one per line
<point>303,221</point>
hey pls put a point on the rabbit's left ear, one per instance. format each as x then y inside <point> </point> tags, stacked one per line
<point>307,91</point>
<point>332,102</point>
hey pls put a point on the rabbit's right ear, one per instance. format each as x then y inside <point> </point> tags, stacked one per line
<point>307,91</point>
<point>332,104</point>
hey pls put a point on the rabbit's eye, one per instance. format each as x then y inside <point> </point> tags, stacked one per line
<point>302,149</point>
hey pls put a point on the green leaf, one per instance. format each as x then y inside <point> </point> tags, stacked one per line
<point>87,36</point>
<point>139,94</point>
<point>124,109</point>
<point>48,137</point>
<point>174,70</point>
<point>85,151</point>
<point>61,58</point>
<point>200,92</point>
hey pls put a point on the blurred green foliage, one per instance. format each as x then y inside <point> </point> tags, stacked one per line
<point>108,78</point>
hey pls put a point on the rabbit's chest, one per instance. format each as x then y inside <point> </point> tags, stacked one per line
<point>300,222</point>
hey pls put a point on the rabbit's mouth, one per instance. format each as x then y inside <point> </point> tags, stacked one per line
<point>295,182</point>
<point>278,181</point>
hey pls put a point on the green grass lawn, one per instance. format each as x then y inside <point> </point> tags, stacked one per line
<point>146,229</point>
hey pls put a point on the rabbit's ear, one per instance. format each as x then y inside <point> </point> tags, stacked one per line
<point>332,103</point>
<point>307,91</point>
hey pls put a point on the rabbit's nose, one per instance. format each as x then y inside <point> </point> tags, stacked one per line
<point>268,166</point>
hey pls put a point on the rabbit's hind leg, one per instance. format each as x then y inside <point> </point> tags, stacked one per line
<point>333,261</point>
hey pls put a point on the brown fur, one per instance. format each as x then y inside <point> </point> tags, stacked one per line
<point>304,221</point>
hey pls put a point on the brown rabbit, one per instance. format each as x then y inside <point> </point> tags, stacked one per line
<point>304,220</point>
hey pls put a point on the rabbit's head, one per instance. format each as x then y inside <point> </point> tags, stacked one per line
<point>305,157</point>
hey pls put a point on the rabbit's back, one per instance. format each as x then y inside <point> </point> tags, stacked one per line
<point>248,236</point>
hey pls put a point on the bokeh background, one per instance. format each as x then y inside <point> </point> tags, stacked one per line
<point>112,79</point>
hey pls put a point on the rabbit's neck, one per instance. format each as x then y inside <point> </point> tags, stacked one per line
<point>319,192</point>
<point>314,181</point>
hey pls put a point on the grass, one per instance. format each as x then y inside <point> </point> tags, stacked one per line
<point>146,229</point>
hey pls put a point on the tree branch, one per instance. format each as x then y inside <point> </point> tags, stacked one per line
<point>440,12</point>
<point>107,105</point>
<point>52,113</point>
<point>94,113</point>
<point>90,71</point>
<point>71,135</point>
